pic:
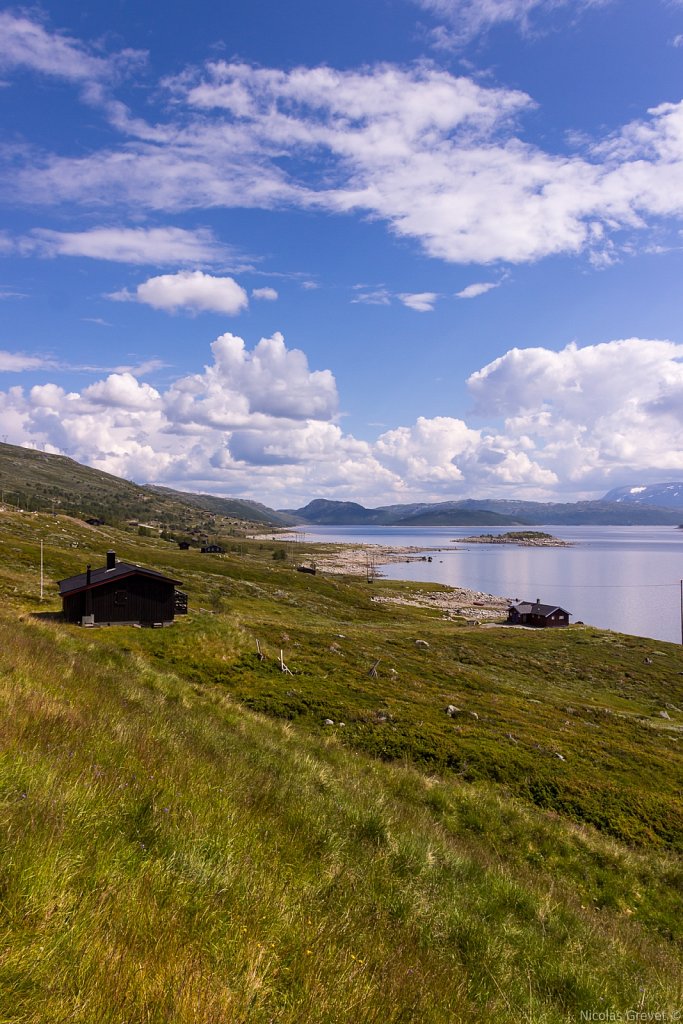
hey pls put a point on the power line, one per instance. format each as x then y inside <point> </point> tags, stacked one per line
<point>575,586</point>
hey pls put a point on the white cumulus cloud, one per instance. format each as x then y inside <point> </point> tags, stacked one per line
<point>594,414</point>
<point>191,290</point>
<point>260,422</point>
<point>122,390</point>
<point>268,294</point>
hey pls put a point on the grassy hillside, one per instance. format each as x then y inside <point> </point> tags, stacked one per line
<point>184,839</point>
<point>240,508</point>
<point>37,481</point>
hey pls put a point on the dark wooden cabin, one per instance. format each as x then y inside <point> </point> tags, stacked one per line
<point>121,593</point>
<point>184,545</point>
<point>545,615</point>
<point>212,549</point>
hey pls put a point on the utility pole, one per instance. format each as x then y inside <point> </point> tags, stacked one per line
<point>41,570</point>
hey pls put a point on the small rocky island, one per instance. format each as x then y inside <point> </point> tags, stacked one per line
<point>523,538</point>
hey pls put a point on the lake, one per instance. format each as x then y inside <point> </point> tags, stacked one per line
<point>625,578</point>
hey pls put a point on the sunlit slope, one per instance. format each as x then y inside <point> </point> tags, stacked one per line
<point>169,854</point>
<point>36,480</point>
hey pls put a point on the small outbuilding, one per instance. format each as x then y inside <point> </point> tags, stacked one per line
<point>121,593</point>
<point>184,545</point>
<point>212,549</point>
<point>545,615</point>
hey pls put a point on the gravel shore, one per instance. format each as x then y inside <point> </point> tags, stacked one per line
<point>452,601</point>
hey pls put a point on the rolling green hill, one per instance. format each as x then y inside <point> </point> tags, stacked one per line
<point>184,838</point>
<point>38,481</point>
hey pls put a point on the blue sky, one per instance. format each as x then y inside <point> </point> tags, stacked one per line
<point>380,251</point>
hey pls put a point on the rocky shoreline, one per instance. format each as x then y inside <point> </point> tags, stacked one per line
<point>356,560</point>
<point>453,602</point>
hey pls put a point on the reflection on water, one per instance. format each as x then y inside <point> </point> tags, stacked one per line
<point>625,578</point>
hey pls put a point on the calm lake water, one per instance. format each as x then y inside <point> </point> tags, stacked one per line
<point>625,578</point>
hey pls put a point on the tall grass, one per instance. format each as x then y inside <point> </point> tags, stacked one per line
<point>168,855</point>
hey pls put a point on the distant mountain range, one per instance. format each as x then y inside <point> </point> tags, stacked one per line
<point>498,512</point>
<point>662,495</point>
<point>35,480</point>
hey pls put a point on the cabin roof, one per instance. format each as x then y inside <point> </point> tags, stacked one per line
<point>535,608</point>
<point>74,584</point>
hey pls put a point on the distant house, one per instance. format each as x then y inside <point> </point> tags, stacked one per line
<point>121,593</point>
<point>527,614</point>
<point>184,545</point>
<point>212,549</point>
<point>95,522</point>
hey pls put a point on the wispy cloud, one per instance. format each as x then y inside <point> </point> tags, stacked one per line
<point>479,288</point>
<point>19,362</point>
<point>421,302</point>
<point>463,20</point>
<point>128,245</point>
<point>373,297</point>
<point>26,43</point>
<point>440,159</point>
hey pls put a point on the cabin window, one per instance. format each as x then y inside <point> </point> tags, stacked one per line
<point>120,597</point>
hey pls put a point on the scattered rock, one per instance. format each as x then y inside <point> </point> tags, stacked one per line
<point>342,725</point>
<point>473,714</point>
<point>510,737</point>
<point>560,757</point>
<point>328,721</point>
<point>451,710</point>
<point>647,661</point>
<point>665,714</point>
<point>421,644</point>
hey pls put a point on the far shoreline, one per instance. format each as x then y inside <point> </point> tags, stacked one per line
<point>359,560</point>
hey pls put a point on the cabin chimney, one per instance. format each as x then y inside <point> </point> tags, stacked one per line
<point>87,575</point>
<point>111,559</point>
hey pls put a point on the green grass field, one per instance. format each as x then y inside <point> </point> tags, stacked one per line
<point>184,839</point>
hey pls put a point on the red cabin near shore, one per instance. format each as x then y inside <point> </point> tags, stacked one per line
<point>546,615</point>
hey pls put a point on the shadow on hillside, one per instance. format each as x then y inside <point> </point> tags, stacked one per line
<point>48,616</point>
